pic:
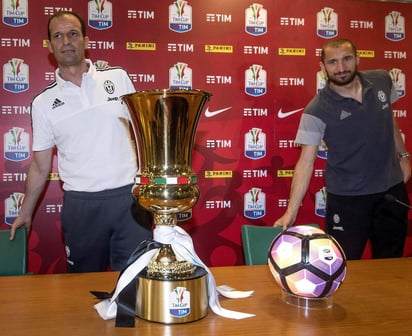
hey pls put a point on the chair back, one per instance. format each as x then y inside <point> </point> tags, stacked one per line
<point>256,242</point>
<point>13,253</point>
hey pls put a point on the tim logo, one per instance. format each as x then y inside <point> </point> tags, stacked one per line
<point>12,207</point>
<point>15,13</point>
<point>394,26</point>
<point>15,76</point>
<point>255,81</point>
<point>256,20</point>
<point>180,16</point>
<point>16,145</point>
<point>399,81</point>
<point>179,302</point>
<point>100,14</point>
<point>180,76</point>
<point>255,144</point>
<point>254,203</point>
<point>327,23</point>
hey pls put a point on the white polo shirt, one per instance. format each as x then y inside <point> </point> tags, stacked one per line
<point>89,126</point>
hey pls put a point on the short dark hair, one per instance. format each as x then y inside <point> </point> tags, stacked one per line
<point>335,44</point>
<point>62,13</point>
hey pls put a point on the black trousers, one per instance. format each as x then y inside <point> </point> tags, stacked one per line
<point>102,229</point>
<point>353,220</point>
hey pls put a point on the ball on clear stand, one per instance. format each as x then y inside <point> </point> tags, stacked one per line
<point>308,264</point>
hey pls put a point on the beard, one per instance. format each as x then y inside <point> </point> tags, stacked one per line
<point>338,80</point>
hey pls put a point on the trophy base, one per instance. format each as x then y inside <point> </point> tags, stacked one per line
<point>172,301</point>
<point>307,303</point>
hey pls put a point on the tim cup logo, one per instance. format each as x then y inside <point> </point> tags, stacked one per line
<point>180,76</point>
<point>100,14</point>
<point>255,204</point>
<point>327,23</point>
<point>255,144</point>
<point>15,13</point>
<point>255,81</point>
<point>394,26</point>
<point>179,304</point>
<point>180,17</point>
<point>398,79</point>
<point>15,76</point>
<point>16,145</point>
<point>12,206</point>
<point>256,20</point>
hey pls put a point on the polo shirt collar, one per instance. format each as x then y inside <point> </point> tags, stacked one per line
<point>91,73</point>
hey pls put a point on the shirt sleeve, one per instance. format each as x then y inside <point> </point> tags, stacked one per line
<point>43,137</point>
<point>311,130</point>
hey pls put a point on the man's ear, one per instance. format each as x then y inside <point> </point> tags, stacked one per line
<point>86,42</point>
<point>324,73</point>
<point>48,44</point>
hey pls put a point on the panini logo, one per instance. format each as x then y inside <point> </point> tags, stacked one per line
<point>292,51</point>
<point>146,46</point>
<point>54,177</point>
<point>219,49</point>
<point>218,174</point>
<point>366,53</point>
<point>285,173</point>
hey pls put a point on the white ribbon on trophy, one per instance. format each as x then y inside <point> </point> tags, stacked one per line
<point>183,247</point>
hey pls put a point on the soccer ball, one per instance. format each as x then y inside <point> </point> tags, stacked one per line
<point>307,262</point>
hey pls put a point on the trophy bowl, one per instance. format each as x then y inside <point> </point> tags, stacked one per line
<point>171,289</point>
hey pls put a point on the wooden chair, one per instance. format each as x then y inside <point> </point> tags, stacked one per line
<point>13,253</point>
<point>256,242</point>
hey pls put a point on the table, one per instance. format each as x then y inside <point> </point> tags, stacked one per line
<point>375,299</point>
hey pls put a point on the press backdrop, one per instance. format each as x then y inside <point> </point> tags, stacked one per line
<point>261,63</point>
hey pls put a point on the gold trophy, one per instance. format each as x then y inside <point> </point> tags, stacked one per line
<point>171,289</point>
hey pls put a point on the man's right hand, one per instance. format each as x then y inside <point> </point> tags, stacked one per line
<point>18,223</point>
<point>285,221</point>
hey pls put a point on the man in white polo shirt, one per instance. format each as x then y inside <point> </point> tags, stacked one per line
<point>81,114</point>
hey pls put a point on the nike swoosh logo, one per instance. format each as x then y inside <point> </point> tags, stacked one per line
<point>210,114</point>
<point>282,114</point>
